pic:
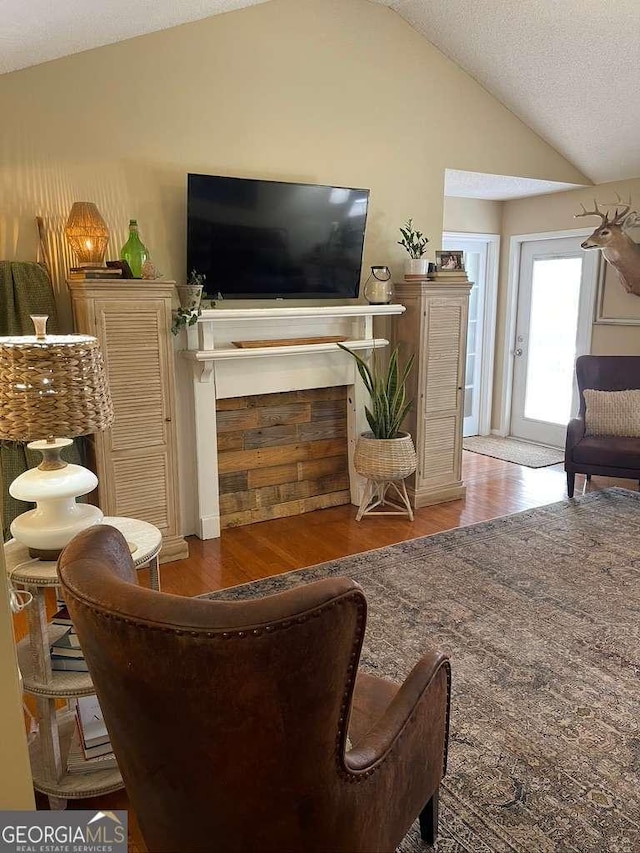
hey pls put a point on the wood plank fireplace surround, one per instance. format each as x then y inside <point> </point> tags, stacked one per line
<point>260,456</point>
<point>231,385</point>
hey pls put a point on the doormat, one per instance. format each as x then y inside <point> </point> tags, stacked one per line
<point>512,450</point>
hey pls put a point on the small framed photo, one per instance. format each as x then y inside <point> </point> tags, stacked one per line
<point>121,265</point>
<point>449,260</point>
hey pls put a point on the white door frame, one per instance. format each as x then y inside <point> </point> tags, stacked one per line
<point>485,391</point>
<point>511,312</point>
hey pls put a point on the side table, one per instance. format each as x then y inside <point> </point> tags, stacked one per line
<point>48,752</point>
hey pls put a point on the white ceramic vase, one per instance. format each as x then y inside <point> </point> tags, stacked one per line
<point>416,266</point>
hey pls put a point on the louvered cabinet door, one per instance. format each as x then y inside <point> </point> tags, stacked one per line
<point>434,327</point>
<point>135,451</point>
<point>136,459</point>
<point>443,354</point>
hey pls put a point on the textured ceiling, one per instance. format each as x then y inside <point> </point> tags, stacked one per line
<point>570,69</point>
<point>497,187</point>
<point>34,31</point>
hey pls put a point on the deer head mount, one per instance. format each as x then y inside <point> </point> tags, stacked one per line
<point>617,247</point>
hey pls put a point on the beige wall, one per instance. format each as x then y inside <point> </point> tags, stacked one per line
<point>331,91</point>
<point>16,791</point>
<point>556,212</point>
<point>472,215</point>
<point>339,92</point>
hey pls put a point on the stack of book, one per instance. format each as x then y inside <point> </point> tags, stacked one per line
<point>449,275</point>
<point>454,276</point>
<point>87,273</point>
<point>90,746</point>
<point>411,277</point>
<point>66,653</point>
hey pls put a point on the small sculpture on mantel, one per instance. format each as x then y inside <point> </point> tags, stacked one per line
<point>617,247</point>
<point>150,271</point>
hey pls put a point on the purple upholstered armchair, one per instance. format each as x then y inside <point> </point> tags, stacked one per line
<point>607,455</point>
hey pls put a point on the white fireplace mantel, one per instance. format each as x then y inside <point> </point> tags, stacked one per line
<point>221,371</point>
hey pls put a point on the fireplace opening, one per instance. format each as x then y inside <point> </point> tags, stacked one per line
<point>281,454</point>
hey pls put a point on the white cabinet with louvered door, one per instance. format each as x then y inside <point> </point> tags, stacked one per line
<point>434,327</point>
<point>136,460</point>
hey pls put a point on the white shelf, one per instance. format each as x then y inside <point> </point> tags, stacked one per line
<point>144,540</point>
<point>63,682</point>
<point>263,314</point>
<point>294,349</point>
<point>49,751</point>
<point>91,783</point>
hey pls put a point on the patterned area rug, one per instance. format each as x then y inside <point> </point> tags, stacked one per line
<point>511,450</point>
<point>540,613</point>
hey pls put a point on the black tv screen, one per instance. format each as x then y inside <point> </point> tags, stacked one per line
<point>266,239</point>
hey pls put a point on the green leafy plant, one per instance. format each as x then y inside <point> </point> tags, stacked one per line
<point>184,317</point>
<point>388,393</point>
<point>197,279</point>
<point>413,241</point>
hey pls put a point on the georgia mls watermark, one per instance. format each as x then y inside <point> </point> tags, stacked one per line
<point>63,832</point>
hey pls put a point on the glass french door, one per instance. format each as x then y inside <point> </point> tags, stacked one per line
<point>475,262</point>
<point>553,328</point>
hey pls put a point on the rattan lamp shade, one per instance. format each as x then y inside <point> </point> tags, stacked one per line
<point>52,387</point>
<point>87,233</point>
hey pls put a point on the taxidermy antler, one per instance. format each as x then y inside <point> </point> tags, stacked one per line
<point>618,248</point>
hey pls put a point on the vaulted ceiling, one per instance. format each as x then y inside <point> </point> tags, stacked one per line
<point>570,69</point>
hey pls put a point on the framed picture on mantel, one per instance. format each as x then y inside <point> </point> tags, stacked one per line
<point>449,261</point>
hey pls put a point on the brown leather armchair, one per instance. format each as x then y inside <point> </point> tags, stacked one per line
<point>606,455</point>
<point>229,719</point>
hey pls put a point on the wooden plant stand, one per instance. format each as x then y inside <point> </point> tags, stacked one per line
<point>375,495</point>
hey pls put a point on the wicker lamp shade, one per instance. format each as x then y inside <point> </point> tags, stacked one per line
<point>52,386</point>
<point>87,233</point>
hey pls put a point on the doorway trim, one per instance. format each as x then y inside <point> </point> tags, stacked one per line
<point>511,312</point>
<point>485,391</point>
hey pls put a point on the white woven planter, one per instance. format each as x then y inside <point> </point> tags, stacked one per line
<point>385,458</point>
<point>189,296</point>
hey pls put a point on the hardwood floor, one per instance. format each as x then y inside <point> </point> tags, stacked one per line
<point>242,554</point>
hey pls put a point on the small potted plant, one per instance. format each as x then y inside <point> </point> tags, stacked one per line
<point>385,455</point>
<point>415,243</point>
<point>190,297</point>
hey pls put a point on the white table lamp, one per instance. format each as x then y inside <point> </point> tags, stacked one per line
<point>52,385</point>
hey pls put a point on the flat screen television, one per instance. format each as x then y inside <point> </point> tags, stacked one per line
<point>270,240</point>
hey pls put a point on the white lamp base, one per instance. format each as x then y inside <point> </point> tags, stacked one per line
<point>54,487</point>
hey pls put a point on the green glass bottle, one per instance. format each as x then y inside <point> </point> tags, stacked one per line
<point>134,252</point>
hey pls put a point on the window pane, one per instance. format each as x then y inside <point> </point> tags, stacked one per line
<point>471,369</point>
<point>551,347</point>
<point>471,336</point>
<point>469,396</point>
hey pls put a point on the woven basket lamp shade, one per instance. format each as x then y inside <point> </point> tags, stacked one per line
<point>87,233</point>
<point>52,385</point>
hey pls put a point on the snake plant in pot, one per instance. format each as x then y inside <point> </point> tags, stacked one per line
<point>385,454</point>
